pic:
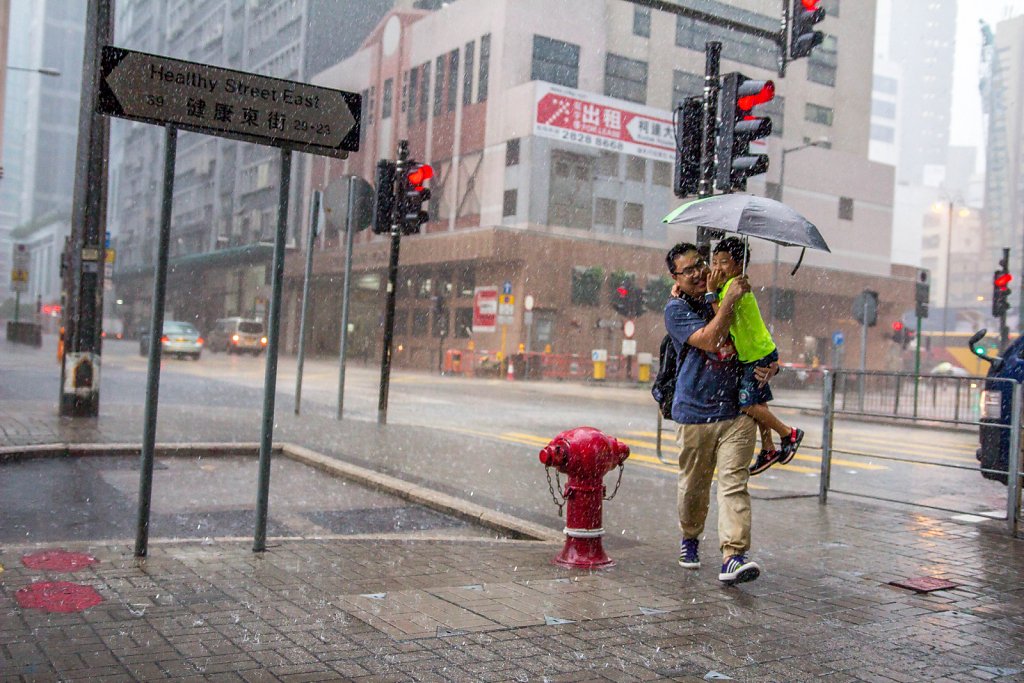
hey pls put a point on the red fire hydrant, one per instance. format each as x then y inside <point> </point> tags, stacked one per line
<point>586,455</point>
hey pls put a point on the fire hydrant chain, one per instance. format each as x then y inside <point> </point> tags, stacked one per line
<point>617,483</point>
<point>560,504</point>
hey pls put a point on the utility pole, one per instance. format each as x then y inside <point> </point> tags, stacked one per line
<point>80,396</point>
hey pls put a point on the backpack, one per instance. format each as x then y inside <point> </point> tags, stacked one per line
<point>664,388</point>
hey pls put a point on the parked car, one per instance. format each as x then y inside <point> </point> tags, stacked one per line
<point>179,339</point>
<point>947,368</point>
<point>238,335</point>
<point>996,398</point>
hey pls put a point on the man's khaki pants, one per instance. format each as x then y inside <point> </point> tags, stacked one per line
<point>728,445</point>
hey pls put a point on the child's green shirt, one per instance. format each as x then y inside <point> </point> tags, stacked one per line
<point>749,334</point>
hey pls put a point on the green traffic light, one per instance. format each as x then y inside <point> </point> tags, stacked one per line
<point>979,350</point>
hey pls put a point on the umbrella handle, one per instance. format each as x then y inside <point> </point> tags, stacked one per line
<point>799,261</point>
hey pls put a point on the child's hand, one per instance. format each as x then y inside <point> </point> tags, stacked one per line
<point>763,374</point>
<point>716,278</point>
<point>739,287</point>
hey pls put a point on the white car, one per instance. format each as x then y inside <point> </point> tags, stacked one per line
<point>947,368</point>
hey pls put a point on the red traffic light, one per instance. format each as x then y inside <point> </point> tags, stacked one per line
<point>420,175</point>
<point>897,325</point>
<point>765,92</point>
<point>1003,280</point>
<point>810,5</point>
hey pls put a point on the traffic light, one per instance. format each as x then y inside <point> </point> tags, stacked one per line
<point>922,292</point>
<point>412,195</point>
<point>687,116</point>
<point>1000,293</point>
<point>803,38</point>
<point>624,295</point>
<point>384,203</point>
<point>738,128</point>
<point>901,334</point>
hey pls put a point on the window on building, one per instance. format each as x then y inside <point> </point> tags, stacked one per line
<point>467,75</point>
<point>632,216</point>
<point>423,286</point>
<point>661,173</point>
<point>571,190</point>
<point>883,133</point>
<point>635,168</point>
<point>371,105</point>
<point>883,109</point>
<point>405,91</point>
<point>785,304</point>
<point>425,92</point>
<point>886,85</point>
<point>453,79</point>
<point>586,285</point>
<point>604,211</point>
<point>463,323</point>
<point>414,77</point>
<point>420,321</point>
<point>625,78</point>
<point>846,208</point>
<point>512,152</point>
<point>508,203</point>
<point>823,62</point>
<point>607,165</point>
<point>685,84</point>
<point>485,68</point>
<point>815,113</point>
<point>439,84</point>
<point>385,100</point>
<point>738,47</point>
<point>642,21</point>
<point>555,61</point>
<point>367,118</point>
<point>465,282</point>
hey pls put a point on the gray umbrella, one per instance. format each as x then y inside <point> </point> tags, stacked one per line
<point>751,216</point>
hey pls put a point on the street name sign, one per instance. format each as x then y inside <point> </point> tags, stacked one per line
<point>228,103</point>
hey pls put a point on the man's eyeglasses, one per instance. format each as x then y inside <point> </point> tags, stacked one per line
<point>690,271</point>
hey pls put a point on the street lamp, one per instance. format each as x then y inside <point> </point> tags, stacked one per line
<point>937,207</point>
<point>772,306</point>
<point>44,71</point>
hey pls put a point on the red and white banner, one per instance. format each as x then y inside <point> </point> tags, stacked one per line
<point>603,122</point>
<point>485,309</point>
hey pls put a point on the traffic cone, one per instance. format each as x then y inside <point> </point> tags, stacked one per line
<point>511,374</point>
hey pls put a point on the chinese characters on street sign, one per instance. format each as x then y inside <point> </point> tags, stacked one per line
<point>228,103</point>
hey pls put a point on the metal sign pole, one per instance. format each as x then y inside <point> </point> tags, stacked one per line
<point>273,335</point>
<point>828,404</point>
<point>1013,461</point>
<point>156,329</point>
<point>350,231</point>
<point>917,361</point>
<point>314,210</point>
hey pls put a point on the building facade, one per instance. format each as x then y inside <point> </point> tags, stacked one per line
<point>520,204</point>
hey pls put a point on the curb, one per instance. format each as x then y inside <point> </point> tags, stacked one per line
<point>514,527</point>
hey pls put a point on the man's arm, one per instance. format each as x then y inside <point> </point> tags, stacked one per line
<point>716,333</point>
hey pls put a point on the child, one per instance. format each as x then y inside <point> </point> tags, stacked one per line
<point>755,348</point>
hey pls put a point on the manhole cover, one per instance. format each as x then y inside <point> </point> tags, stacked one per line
<point>924,584</point>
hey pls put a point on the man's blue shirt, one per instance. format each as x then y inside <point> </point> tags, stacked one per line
<point>707,388</point>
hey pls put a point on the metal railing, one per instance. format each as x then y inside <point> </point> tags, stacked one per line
<point>947,399</point>
<point>901,398</point>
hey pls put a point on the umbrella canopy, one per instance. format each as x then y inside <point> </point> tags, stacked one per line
<point>752,216</point>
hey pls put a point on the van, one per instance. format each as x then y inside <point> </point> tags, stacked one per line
<point>996,399</point>
<point>237,335</point>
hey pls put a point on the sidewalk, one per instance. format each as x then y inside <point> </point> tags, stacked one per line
<point>472,607</point>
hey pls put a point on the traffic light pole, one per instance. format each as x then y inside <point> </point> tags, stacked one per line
<point>917,361</point>
<point>389,307</point>
<point>706,185</point>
